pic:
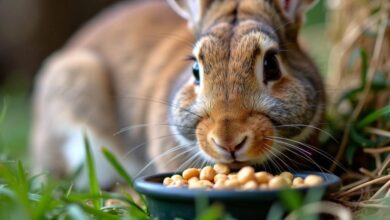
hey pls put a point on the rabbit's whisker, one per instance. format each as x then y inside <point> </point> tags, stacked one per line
<point>315,149</point>
<point>302,153</point>
<point>162,102</point>
<point>154,139</point>
<point>287,158</point>
<point>278,158</point>
<point>188,161</point>
<point>181,153</point>
<point>309,126</point>
<point>176,148</point>
<point>274,162</point>
<point>128,128</point>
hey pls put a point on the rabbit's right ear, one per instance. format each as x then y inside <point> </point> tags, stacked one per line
<point>191,10</point>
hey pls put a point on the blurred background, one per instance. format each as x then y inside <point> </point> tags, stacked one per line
<point>30,30</point>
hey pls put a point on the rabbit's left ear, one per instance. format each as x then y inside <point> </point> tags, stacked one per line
<point>294,10</point>
<point>191,10</point>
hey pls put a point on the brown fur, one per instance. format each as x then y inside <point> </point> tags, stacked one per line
<point>123,67</point>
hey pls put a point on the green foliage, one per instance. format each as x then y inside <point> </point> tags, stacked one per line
<point>26,197</point>
<point>339,122</point>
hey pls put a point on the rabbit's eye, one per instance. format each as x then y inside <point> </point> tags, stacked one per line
<point>270,68</point>
<point>195,71</point>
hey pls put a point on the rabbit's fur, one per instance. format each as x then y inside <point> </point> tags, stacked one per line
<point>130,67</point>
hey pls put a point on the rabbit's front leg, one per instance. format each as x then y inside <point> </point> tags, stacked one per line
<point>74,94</point>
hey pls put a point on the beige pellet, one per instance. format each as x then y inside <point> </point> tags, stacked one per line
<point>197,185</point>
<point>246,174</point>
<point>176,177</point>
<point>287,175</point>
<point>298,185</point>
<point>278,182</point>
<point>190,172</point>
<point>167,181</point>
<point>220,176</point>
<point>250,185</point>
<point>207,173</point>
<point>297,181</point>
<point>178,183</point>
<point>220,184</point>
<point>232,183</point>
<point>263,186</point>
<point>232,176</point>
<point>262,177</point>
<point>207,183</point>
<point>313,180</point>
<point>221,168</point>
<point>193,179</point>
<point>115,202</point>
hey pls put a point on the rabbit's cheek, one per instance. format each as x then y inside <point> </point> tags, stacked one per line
<point>201,135</point>
<point>280,88</point>
<point>262,130</point>
<point>183,114</point>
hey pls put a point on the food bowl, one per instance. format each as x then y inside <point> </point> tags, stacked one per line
<point>169,203</point>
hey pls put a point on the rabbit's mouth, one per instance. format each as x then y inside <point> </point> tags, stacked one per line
<point>236,140</point>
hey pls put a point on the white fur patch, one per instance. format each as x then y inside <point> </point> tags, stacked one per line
<point>74,153</point>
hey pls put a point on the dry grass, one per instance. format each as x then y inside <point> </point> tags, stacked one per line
<point>359,73</point>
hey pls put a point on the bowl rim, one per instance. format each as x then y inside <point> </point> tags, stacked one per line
<point>158,190</point>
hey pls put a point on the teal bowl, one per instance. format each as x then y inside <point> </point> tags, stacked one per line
<point>179,203</point>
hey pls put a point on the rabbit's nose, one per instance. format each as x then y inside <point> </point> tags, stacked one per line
<point>229,145</point>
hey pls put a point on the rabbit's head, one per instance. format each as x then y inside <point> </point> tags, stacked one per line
<point>252,85</point>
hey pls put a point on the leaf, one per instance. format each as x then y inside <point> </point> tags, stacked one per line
<point>117,166</point>
<point>22,176</point>
<point>364,67</point>
<point>350,153</point>
<point>93,181</point>
<point>93,211</point>
<point>360,139</point>
<point>121,171</point>
<point>291,199</point>
<point>3,110</point>
<point>349,94</point>
<point>374,116</point>
<point>214,212</point>
<point>103,195</point>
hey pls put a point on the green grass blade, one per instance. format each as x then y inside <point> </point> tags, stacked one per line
<point>93,211</point>
<point>364,69</point>
<point>103,195</point>
<point>22,176</point>
<point>93,181</point>
<point>360,139</point>
<point>3,110</point>
<point>121,171</point>
<point>291,199</point>
<point>117,166</point>
<point>374,116</point>
<point>214,212</point>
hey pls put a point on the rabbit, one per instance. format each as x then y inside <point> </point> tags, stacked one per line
<point>166,85</point>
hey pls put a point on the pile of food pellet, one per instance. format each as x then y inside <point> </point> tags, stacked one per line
<point>219,177</point>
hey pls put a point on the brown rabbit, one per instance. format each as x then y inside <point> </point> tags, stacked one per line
<point>245,93</point>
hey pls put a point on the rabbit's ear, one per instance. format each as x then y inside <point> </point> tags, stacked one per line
<point>294,9</point>
<point>192,10</point>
